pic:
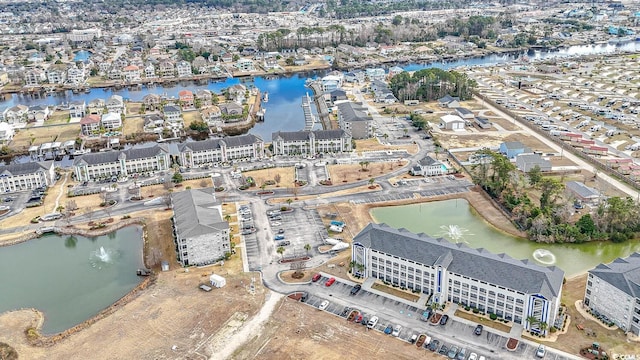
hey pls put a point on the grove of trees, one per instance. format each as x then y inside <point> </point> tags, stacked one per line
<point>431,84</point>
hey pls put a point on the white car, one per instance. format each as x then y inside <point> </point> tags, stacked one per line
<point>396,331</point>
<point>276,223</point>
<point>372,322</point>
<point>473,356</point>
<point>323,305</point>
<point>541,351</point>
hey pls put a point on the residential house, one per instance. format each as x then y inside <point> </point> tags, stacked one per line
<point>376,74</point>
<point>428,166</point>
<point>237,93</point>
<point>482,122</point>
<point>26,176</point>
<point>204,97</point>
<point>201,234</point>
<point>330,83</point>
<point>511,149</point>
<point>90,125</point>
<point>166,69</point>
<point>153,123</point>
<point>96,107</point>
<point>448,101</point>
<point>115,104</point>
<point>465,113</point>
<point>395,70</point>
<point>356,76</point>
<point>451,122</point>
<point>77,110</point>
<point>113,164</point>
<point>300,61</point>
<point>613,293</point>
<point>111,121</point>
<point>245,65</point>
<point>226,57</point>
<point>151,102</point>
<point>212,151</point>
<point>115,73</point>
<point>34,77</point>
<point>211,114</point>
<point>131,73</point>
<point>353,118</point>
<point>310,142</point>
<point>231,112</point>
<point>75,75</point>
<point>173,116</point>
<point>6,132</point>
<point>56,74</point>
<point>184,69</point>
<point>186,100</point>
<point>582,192</point>
<point>38,113</point>
<point>16,114</point>
<point>382,93</point>
<point>337,95</point>
<point>516,290</point>
<point>526,162</point>
<point>270,63</point>
<point>199,63</point>
<point>150,71</point>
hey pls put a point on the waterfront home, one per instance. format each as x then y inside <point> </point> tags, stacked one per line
<point>26,176</point>
<point>583,193</point>
<point>244,65</point>
<point>353,118</point>
<point>34,77</point>
<point>230,148</point>
<point>204,97</point>
<point>150,71</point>
<point>449,101</point>
<point>56,74</point>
<point>75,75</point>
<point>511,149</point>
<point>131,73</point>
<point>184,69</point>
<point>395,70</point>
<point>111,121</point>
<point>300,61</point>
<point>96,107</point>
<point>356,76</point>
<point>226,57</point>
<point>201,234</point>
<point>613,293</point>
<point>115,73</point>
<point>113,164</point>
<point>451,122</point>
<point>270,63</point>
<point>38,113</point>
<point>6,132</point>
<point>153,123</point>
<point>330,83</point>
<point>515,290</point>
<point>310,142</point>
<point>211,114</point>
<point>173,116</point>
<point>527,162</point>
<point>231,111</point>
<point>375,74</point>
<point>199,63</point>
<point>77,110</point>
<point>428,166</point>
<point>337,95</point>
<point>115,104</point>
<point>15,115</point>
<point>151,102</point>
<point>236,93</point>
<point>90,125</point>
<point>186,100</point>
<point>166,69</point>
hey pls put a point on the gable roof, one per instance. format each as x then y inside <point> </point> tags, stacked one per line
<point>24,168</point>
<point>502,270</point>
<point>428,161</point>
<point>353,112</point>
<point>196,212</point>
<point>240,140</point>
<point>304,135</point>
<point>107,157</point>
<point>582,190</point>
<point>622,273</point>
<point>447,99</point>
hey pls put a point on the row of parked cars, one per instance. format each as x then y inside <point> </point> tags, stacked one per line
<point>275,218</point>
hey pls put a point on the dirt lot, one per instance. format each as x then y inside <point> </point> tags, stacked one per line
<point>42,134</point>
<point>298,331</point>
<point>374,145</point>
<point>354,172</point>
<point>287,176</point>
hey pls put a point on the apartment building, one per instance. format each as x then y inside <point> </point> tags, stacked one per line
<point>201,234</point>
<point>353,118</point>
<point>211,151</point>
<point>613,293</point>
<point>26,176</point>
<point>516,290</point>
<point>310,142</point>
<point>113,164</point>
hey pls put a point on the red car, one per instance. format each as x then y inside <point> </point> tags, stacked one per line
<point>330,281</point>
<point>316,277</point>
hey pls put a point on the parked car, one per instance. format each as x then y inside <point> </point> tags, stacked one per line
<point>473,356</point>
<point>433,345</point>
<point>444,319</point>
<point>396,330</point>
<point>461,354</point>
<point>316,277</point>
<point>541,351</point>
<point>284,243</point>
<point>388,329</point>
<point>355,289</point>
<point>304,297</point>
<point>330,281</point>
<point>413,338</point>
<point>372,322</point>
<point>364,321</point>
<point>453,351</point>
<point>443,350</point>
<point>276,223</point>
<point>323,305</point>
<point>478,330</point>
<point>279,237</point>
<point>281,231</point>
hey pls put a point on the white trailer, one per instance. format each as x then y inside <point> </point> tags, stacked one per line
<point>217,281</point>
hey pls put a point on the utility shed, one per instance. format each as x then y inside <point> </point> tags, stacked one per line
<point>217,280</point>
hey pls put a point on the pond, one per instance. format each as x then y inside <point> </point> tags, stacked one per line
<point>70,278</point>
<point>457,221</point>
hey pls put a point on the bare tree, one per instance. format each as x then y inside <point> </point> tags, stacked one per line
<point>277,178</point>
<point>71,205</point>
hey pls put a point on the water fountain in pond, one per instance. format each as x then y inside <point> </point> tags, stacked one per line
<point>544,256</point>
<point>101,257</point>
<point>454,233</point>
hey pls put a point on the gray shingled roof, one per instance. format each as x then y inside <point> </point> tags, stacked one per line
<point>24,168</point>
<point>202,145</point>
<point>195,213</point>
<point>520,275</point>
<point>622,273</point>
<point>513,145</point>
<point>290,135</point>
<point>464,111</point>
<point>240,140</point>
<point>329,134</point>
<point>112,156</point>
<point>353,112</point>
<point>428,161</point>
<point>582,190</point>
<point>171,108</point>
<point>145,152</point>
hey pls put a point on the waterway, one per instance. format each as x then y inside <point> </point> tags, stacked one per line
<point>456,221</point>
<point>284,110</point>
<point>70,279</point>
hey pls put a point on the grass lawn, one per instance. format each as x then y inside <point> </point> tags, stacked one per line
<point>395,292</point>
<point>484,322</point>
<point>133,124</point>
<point>190,117</point>
<point>59,117</point>
<point>43,134</point>
<point>287,176</point>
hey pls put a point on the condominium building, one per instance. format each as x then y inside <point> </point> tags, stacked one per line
<point>310,142</point>
<point>353,118</point>
<point>201,234</point>
<point>84,35</point>
<point>516,290</point>
<point>26,176</point>
<point>613,292</point>
<point>113,164</point>
<point>210,151</point>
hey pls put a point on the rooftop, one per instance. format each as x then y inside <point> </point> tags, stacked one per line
<point>622,273</point>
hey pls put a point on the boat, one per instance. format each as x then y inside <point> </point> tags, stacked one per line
<point>143,272</point>
<point>87,90</point>
<point>265,97</point>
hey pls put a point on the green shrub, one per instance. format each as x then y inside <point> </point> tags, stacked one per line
<point>493,316</point>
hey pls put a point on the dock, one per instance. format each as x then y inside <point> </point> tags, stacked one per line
<point>321,105</point>
<point>309,118</point>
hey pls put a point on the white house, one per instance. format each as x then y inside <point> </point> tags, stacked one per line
<point>428,166</point>
<point>613,292</point>
<point>111,121</point>
<point>245,65</point>
<point>172,115</point>
<point>115,104</point>
<point>26,176</point>
<point>6,132</point>
<point>77,110</point>
<point>131,73</point>
<point>201,234</point>
<point>184,69</point>
<point>514,290</point>
<point>451,122</point>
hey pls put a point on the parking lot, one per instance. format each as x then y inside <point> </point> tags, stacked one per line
<point>426,187</point>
